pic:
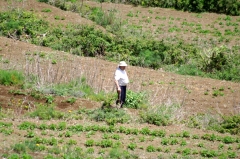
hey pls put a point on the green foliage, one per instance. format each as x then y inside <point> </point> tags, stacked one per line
<point>228,140</point>
<point>159,115</point>
<point>101,17</point>
<point>71,88</point>
<point>71,100</point>
<point>111,116</point>
<point>46,10</point>
<point>46,112</point>
<point>27,126</point>
<point>136,100</point>
<point>132,146</point>
<point>150,148</point>
<point>6,131</point>
<point>217,6</point>
<point>230,124</point>
<point>208,153</point>
<point>151,59</point>
<point>49,99</point>
<point>215,59</point>
<point>21,24</point>
<point>19,148</point>
<point>220,63</point>
<point>89,143</point>
<point>116,153</point>
<point>11,77</point>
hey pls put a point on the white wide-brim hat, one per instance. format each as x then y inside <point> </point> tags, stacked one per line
<point>122,63</point>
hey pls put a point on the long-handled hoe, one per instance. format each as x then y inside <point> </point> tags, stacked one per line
<point>118,102</point>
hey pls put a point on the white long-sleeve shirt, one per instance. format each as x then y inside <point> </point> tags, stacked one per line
<point>122,77</point>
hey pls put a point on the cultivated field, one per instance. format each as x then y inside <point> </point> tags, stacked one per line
<point>40,120</point>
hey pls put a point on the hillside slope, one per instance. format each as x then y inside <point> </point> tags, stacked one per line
<point>161,86</point>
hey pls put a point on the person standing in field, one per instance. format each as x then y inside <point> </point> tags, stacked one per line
<point>121,81</point>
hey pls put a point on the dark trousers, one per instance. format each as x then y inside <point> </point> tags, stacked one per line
<point>122,95</point>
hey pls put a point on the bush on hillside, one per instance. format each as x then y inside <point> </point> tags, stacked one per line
<point>11,77</point>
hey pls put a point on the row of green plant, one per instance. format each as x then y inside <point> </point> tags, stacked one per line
<point>39,144</point>
<point>87,41</point>
<point>68,130</point>
<point>68,151</point>
<point>115,152</point>
<point>160,116</point>
<point>216,6</point>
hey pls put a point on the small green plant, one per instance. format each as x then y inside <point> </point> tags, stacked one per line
<point>54,62</point>
<point>27,126</point>
<point>150,148</point>
<point>49,99</point>
<point>132,146</point>
<point>30,134</point>
<point>105,143</point>
<point>208,153</point>
<point>220,146</point>
<point>61,126</point>
<point>116,136</point>
<point>206,93</point>
<point>19,148</point>
<point>130,14</point>
<point>46,10</point>
<point>210,137</point>
<point>72,142</point>
<point>89,142</point>
<point>68,134</point>
<point>186,151</point>
<point>173,141</point>
<point>228,140</point>
<point>52,126</point>
<point>71,100</point>
<point>57,17</point>
<point>142,139</point>
<point>183,143</point>
<point>185,134</point>
<point>195,136</point>
<point>6,131</point>
<point>200,144</point>
<point>165,141</point>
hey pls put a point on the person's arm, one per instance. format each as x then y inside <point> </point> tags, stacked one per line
<point>116,78</point>
<point>117,85</point>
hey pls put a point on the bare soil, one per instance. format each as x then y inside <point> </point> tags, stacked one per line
<point>162,87</point>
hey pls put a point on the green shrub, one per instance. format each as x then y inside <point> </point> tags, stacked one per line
<point>109,115</point>
<point>220,62</point>
<point>215,59</point>
<point>46,112</point>
<point>160,115</point>
<point>102,18</point>
<point>230,124</point>
<point>136,100</point>
<point>11,77</point>
<point>19,148</point>
<point>119,153</point>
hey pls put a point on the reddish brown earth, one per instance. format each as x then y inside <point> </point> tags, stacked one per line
<point>162,87</point>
